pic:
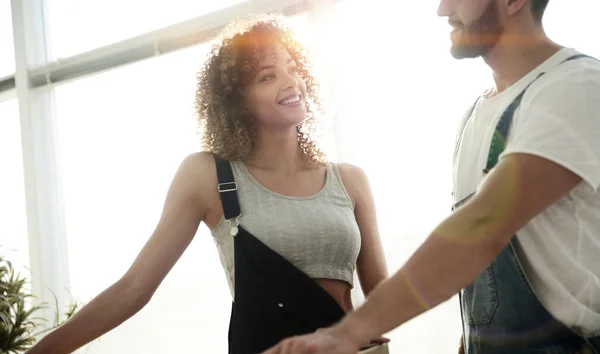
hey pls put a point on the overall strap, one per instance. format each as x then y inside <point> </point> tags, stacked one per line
<point>578,56</point>
<point>463,124</point>
<point>500,137</point>
<point>227,189</point>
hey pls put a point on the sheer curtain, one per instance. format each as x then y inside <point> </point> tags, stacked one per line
<point>13,221</point>
<point>7,59</point>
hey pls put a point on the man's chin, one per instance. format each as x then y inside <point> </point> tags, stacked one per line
<point>466,51</point>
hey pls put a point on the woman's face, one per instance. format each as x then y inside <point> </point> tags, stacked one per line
<point>275,96</point>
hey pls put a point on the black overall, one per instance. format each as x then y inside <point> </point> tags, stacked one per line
<point>501,313</point>
<point>273,299</point>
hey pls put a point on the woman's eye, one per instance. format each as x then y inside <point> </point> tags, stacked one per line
<point>267,77</point>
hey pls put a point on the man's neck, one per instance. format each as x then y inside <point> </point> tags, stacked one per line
<point>517,54</point>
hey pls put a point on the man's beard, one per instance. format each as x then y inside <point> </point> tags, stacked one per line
<point>480,36</point>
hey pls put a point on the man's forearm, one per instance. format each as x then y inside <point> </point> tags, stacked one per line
<point>452,257</point>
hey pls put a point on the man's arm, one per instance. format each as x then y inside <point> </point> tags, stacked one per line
<point>462,246</point>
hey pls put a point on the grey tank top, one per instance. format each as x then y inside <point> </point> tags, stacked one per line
<point>317,234</point>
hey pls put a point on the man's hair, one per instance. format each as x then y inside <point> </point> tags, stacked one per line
<point>538,7</point>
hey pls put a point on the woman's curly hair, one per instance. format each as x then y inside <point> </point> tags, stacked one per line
<point>227,129</point>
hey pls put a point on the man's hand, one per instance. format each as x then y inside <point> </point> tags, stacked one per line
<point>325,341</point>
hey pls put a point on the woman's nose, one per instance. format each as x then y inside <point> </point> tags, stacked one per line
<point>291,81</point>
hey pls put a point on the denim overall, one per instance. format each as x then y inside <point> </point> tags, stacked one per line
<point>500,312</point>
<point>273,299</point>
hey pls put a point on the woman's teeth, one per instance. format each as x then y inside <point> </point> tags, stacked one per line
<point>290,100</point>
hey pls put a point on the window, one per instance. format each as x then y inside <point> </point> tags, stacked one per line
<point>123,134</point>
<point>77,26</point>
<point>7,59</point>
<point>14,242</point>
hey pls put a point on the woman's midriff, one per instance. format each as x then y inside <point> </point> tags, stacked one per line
<point>339,290</point>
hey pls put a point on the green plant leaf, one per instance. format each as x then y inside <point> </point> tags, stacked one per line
<point>21,318</point>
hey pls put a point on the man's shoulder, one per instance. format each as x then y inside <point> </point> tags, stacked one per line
<point>575,67</point>
<point>574,80</point>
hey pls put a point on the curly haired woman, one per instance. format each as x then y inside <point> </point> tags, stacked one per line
<point>290,227</point>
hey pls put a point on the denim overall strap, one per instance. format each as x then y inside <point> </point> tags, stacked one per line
<point>227,188</point>
<point>500,312</point>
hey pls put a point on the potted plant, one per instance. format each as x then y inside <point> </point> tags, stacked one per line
<point>19,322</point>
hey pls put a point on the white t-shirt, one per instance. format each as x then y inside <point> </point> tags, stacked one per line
<point>558,119</point>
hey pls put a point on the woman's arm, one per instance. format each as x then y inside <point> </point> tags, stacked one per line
<point>183,211</point>
<point>371,265</point>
